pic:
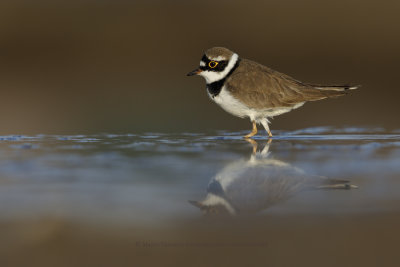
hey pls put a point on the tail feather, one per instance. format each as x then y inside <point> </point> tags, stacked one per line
<point>336,184</point>
<point>317,92</point>
<point>336,87</point>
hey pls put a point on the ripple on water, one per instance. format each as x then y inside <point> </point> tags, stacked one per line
<point>137,144</point>
<point>17,137</point>
<point>24,146</point>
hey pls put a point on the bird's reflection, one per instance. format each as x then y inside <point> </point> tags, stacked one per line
<point>249,186</point>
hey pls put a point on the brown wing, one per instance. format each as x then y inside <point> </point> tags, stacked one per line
<point>260,87</point>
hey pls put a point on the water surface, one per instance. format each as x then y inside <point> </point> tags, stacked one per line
<point>159,186</point>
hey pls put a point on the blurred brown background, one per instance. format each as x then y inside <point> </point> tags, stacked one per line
<point>119,66</point>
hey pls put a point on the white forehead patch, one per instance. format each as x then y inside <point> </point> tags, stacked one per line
<point>213,76</point>
<point>219,58</point>
<point>202,63</point>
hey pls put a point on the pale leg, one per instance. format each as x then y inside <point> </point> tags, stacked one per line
<point>265,152</point>
<point>264,122</point>
<point>253,132</point>
<point>254,145</point>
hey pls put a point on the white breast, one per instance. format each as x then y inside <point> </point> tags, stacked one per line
<point>231,104</point>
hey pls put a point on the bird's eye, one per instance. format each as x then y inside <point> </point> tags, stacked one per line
<point>212,64</point>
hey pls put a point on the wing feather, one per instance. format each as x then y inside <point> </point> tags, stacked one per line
<point>260,87</point>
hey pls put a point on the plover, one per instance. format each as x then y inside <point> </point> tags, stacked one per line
<point>249,186</point>
<point>245,88</point>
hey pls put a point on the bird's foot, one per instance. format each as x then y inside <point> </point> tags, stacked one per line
<point>249,135</point>
<point>253,144</point>
<point>253,132</point>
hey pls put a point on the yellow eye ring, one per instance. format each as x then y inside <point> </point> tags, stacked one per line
<point>213,64</point>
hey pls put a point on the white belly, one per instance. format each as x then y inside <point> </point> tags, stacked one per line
<point>237,108</point>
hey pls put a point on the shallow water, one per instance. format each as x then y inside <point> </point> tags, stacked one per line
<point>155,174</point>
<point>145,181</point>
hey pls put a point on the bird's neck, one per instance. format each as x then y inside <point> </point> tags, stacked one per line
<point>215,88</point>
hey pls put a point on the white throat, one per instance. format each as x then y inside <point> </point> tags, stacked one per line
<point>213,76</point>
<point>212,200</point>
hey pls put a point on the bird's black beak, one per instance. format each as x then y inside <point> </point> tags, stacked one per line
<point>194,72</point>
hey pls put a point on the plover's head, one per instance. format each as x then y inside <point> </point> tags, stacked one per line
<point>215,64</point>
